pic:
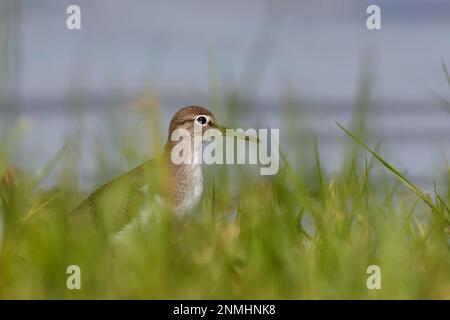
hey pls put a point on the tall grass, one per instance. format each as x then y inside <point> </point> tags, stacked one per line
<point>281,237</point>
<point>305,233</point>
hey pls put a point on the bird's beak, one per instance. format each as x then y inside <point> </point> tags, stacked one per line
<point>229,132</point>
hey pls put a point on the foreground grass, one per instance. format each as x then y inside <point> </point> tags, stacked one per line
<point>291,236</point>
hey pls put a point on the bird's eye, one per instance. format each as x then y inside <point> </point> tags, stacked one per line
<point>202,120</point>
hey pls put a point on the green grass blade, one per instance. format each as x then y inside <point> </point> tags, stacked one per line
<point>447,75</point>
<point>397,173</point>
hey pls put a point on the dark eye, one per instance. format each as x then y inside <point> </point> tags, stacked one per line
<point>202,120</point>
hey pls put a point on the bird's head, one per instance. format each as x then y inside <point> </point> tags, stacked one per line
<point>193,125</point>
<point>195,120</point>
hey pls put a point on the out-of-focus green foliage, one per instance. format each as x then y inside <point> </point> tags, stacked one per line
<point>296,235</point>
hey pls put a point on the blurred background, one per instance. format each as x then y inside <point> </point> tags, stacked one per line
<point>253,62</point>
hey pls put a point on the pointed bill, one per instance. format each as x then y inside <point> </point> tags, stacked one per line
<point>229,132</point>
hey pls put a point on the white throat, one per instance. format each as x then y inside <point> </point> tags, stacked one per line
<point>194,191</point>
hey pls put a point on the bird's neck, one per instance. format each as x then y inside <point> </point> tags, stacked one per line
<point>192,155</point>
<point>186,179</point>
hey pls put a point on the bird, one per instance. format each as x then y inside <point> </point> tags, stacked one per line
<point>180,186</point>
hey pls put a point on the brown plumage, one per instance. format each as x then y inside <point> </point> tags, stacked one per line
<point>116,203</point>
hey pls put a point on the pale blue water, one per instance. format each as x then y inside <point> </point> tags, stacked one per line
<point>313,49</point>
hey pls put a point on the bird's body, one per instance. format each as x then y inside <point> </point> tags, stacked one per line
<point>117,202</point>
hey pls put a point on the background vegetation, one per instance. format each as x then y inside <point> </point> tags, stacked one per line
<point>303,233</point>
